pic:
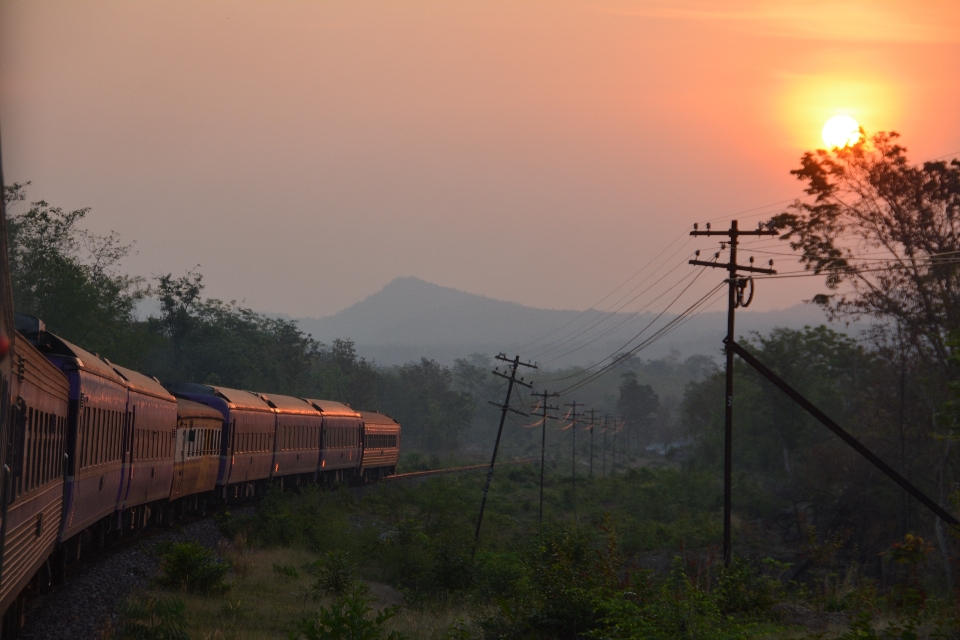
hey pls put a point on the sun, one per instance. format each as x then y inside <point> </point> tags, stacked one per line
<point>840,131</point>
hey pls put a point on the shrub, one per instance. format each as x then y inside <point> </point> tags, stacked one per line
<point>286,570</point>
<point>335,574</point>
<point>190,567</point>
<point>347,619</point>
<point>743,589</point>
<point>144,618</point>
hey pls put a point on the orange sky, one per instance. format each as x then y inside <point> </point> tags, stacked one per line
<point>306,153</point>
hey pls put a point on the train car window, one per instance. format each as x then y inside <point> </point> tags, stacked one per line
<point>28,450</point>
<point>41,473</point>
<point>47,446</point>
<point>34,448</point>
<point>94,433</point>
<point>45,449</point>
<point>37,446</point>
<point>94,429</point>
<point>98,437</point>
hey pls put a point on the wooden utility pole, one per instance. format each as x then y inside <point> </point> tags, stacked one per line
<point>604,430</point>
<point>504,408</point>
<point>592,413</point>
<point>573,415</point>
<point>737,287</point>
<point>544,407</point>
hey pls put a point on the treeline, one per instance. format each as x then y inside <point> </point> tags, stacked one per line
<point>73,281</point>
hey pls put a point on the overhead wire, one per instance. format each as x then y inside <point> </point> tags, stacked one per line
<point>616,326</point>
<point>624,320</point>
<point>604,316</point>
<point>624,283</point>
<point>703,302</point>
<point>642,331</point>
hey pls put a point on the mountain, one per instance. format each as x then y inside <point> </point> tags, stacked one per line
<point>410,318</point>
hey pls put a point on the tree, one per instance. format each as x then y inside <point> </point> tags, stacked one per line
<point>886,234</point>
<point>637,405</point>
<point>68,276</point>
<point>422,398</point>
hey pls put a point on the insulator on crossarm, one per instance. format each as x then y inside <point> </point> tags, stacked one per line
<point>694,226</point>
<point>697,253</point>
<point>751,259</point>
<point>771,263</point>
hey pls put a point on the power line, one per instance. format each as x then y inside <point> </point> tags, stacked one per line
<point>585,311</point>
<point>623,321</point>
<point>604,316</point>
<point>623,356</point>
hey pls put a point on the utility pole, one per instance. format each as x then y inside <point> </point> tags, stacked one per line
<point>504,408</point>
<point>592,412</point>
<point>737,287</point>
<point>573,475</point>
<point>604,430</point>
<point>544,407</point>
<point>613,445</point>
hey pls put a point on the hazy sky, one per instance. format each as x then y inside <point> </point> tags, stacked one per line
<point>306,153</point>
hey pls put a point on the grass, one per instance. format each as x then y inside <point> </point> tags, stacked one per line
<point>262,603</point>
<point>410,544</point>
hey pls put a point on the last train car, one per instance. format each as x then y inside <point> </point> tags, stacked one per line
<point>381,445</point>
<point>246,444</point>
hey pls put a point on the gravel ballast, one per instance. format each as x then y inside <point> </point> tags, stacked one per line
<point>79,608</point>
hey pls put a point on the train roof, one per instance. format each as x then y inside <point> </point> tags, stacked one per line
<point>331,408</point>
<point>289,404</point>
<point>144,384</point>
<point>375,417</point>
<point>190,409</point>
<point>236,398</point>
<point>34,330</point>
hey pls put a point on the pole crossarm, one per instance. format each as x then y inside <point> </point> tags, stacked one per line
<point>843,434</point>
<point>733,233</point>
<point>515,381</point>
<point>508,408</point>
<point>735,267</point>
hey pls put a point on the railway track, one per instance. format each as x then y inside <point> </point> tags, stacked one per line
<point>436,472</point>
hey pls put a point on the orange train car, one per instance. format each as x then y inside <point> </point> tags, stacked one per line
<point>196,456</point>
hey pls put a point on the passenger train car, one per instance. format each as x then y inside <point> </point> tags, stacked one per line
<point>96,452</point>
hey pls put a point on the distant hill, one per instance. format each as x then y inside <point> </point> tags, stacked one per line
<point>410,318</point>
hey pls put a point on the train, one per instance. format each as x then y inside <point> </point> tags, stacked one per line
<point>96,452</point>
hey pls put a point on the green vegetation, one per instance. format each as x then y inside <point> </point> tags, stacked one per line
<point>145,618</point>
<point>190,567</point>
<point>333,562</point>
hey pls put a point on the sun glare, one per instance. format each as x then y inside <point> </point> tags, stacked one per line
<point>840,131</point>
